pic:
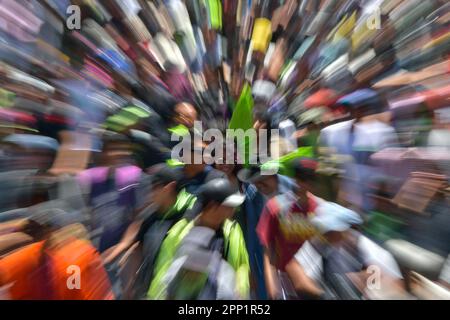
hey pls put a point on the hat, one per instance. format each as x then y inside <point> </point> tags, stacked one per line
<point>221,191</point>
<point>333,217</point>
<point>164,174</point>
<point>304,168</point>
<point>31,141</point>
<point>251,174</point>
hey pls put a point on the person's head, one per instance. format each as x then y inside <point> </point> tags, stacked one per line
<point>117,149</point>
<point>219,199</point>
<point>185,114</point>
<point>261,119</point>
<point>44,220</point>
<point>357,112</point>
<point>165,183</point>
<point>305,174</point>
<point>267,184</point>
<point>25,151</point>
<point>228,163</point>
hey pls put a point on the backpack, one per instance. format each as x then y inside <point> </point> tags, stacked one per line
<point>112,199</point>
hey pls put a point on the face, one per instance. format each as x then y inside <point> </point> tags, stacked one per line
<point>225,212</point>
<point>161,193</point>
<point>192,169</point>
<point>116,154</point>
<point>185,114</point>
<point>267,186</point>
<point>156,195</point>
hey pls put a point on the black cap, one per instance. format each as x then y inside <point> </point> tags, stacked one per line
<point>221,191</point>
<point>251,174</point>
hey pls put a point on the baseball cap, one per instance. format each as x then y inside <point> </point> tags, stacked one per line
<point>333,217</point>
<point>221,191</point>
<point>251,174</point>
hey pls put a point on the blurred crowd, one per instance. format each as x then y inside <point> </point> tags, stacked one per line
<point>93,205</point>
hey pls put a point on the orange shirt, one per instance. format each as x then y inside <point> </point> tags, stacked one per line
<point>33,275</point>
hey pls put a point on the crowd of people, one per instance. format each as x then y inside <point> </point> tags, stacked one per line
<point>346,197</point>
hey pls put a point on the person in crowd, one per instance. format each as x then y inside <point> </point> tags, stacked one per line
<point>197,174</point>
<point>340,262</point>
<point>269,143</point>
<point>60,264</point>
<point>182,121</point>
<point>110,188</point>
<point>310,123</point>
<point>211,234</point>
<point>284,226</point>
<point>178,123</point>
<point>357,138</point>
<point>247,215</point>
<point>185,114</point>
<point>162,203</point>
<point>24,157</point>
<point>269,184</point>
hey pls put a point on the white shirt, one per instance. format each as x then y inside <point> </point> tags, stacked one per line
<point>372,254</point>
<point>369,136</point>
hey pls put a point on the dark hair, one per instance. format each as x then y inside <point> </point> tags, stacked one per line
<point>161,175</point>
<point>109,138</point>
<point>305,169</point>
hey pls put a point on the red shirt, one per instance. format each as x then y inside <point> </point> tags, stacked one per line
<point>283,232</point>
